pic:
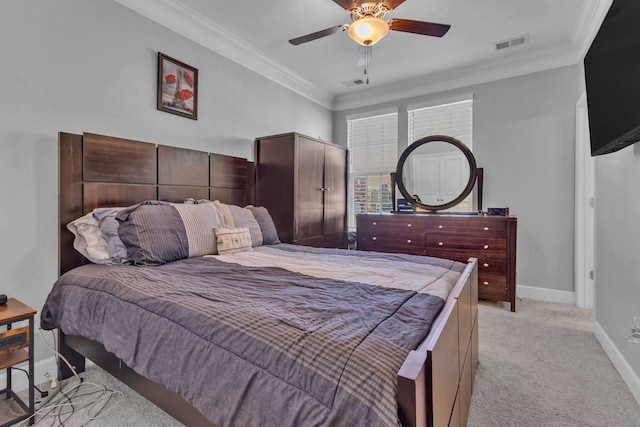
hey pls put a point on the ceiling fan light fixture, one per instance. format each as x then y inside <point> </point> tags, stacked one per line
<point>368,30</point>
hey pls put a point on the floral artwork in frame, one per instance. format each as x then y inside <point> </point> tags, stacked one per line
<point>177,87</point>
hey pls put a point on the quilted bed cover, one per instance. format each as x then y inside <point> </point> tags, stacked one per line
<point>253,341</point>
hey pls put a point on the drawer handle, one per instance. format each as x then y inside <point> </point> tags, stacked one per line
<point>374,223</point>
<point>485,283</point>
<point>441,226</point>
<point>409,241</point>
<point>486,246</point>
<point>485,265</point>
<point>440,244</point>
<point>486,229</point>
<point>374,238</point>
<point>408,225</point>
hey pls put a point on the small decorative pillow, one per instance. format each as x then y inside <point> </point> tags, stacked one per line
<point>232,240</point>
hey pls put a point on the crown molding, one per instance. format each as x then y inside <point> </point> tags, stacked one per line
<point>177,17</point>
<point>484,72</point>
<point>591,17</point>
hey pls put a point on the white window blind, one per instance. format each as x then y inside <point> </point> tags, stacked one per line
<point>453,119</point>
<point>373,150</point>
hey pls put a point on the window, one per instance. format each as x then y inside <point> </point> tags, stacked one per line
<point>373,151</point>
<point>452,119</point>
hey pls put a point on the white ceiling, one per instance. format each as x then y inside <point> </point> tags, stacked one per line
<point>256,33</point>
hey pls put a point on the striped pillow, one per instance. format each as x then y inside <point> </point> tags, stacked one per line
<point>232,240</point>
<point>199,223</point>
<point>232,216</point>
<point>156,232</point>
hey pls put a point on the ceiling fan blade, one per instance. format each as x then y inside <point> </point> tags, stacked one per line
<point>347,4</point>
<point>392,4</point>
<point>316,35</point>
<point>364,55</point>
<point>419,27</point>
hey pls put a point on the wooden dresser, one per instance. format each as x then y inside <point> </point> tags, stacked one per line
<point>491,239</point>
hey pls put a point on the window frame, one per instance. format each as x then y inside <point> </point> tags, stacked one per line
<point>465,102</point>
<point>382,176</point>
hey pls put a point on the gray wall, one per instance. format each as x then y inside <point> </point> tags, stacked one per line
<point>524,137</point>
<point>75,66</point>
<point>617,270</point>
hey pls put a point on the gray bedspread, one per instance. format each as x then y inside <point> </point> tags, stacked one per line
<point>253,346</point>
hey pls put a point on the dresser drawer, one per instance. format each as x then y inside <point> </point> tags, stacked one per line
<point>489,264</point>
<point>477,246</point>
<point>384,242</point>
<point>492,287</point>
<point>390,223</point>
<point>468,226</point>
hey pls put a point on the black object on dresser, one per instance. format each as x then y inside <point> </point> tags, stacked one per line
<point>302,181</point>
<point>491,239</point>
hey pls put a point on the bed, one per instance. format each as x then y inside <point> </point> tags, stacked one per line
<point>433,378</point>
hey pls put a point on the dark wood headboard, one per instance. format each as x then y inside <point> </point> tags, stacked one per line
<point>102,171</point>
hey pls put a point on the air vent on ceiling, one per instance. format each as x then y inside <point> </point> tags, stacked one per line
<point>354,82</point>
<point>516,41</point>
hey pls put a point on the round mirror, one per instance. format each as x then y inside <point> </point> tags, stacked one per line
<point>436,172</point>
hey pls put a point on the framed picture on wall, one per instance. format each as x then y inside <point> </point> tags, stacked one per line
<point>177,87</point>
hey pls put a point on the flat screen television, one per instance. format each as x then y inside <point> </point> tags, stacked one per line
<point>612,73</point>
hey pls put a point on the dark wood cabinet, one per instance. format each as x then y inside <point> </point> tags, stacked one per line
<point>302,181</point>
<point>491,239</point>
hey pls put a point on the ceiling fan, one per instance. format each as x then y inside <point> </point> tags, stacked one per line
<point>368,27</point>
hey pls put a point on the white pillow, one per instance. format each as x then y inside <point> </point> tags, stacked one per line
<point>89,240</point>
<point>232,240</point>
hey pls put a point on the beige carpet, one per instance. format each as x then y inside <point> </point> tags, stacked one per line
<point>126,410</point>
<point>540,366</point>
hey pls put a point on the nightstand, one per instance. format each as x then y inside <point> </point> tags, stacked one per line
<point>16,346</point>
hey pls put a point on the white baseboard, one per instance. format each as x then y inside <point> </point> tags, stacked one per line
<point>624,369</point>
<point>545,294</point>
<point>19,380</point>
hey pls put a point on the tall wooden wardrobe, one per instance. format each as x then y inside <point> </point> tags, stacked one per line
<point>302,181</point>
